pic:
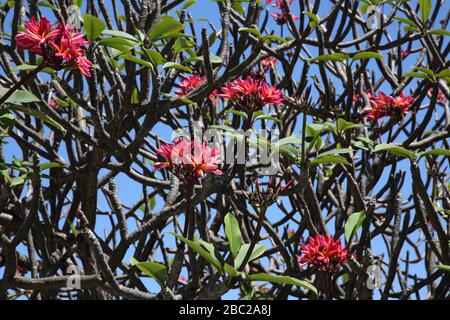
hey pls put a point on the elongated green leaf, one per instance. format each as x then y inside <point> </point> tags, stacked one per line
<point>443,267</point>
<point>166,26</point>
<point>40,115</point>
<point>354,222</point>
<point>282,280</point>
<point>328,159</point>
<point>330,57</point>
<point>19,96</point>
<point>367,55</point>
<point>395,150</point>
<point>440,32</point>
<point>253,31</point>
<point>196,246</point>
<point>153,269</point>
<point>438,152</point>
<point>258,250</point>
<point>137,60</point>
<point>425,9</point>
<point>93,27</point>
<point>233,234</point>
<point>178,66</point>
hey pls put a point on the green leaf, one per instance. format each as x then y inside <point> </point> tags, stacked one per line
<point>137,60</point>
<point>416,75</point>
<point>19,96</point>
<point>189,3</point>
<point>328,159</point>
<point>253,31</point>
<point>330,57</point>
<point>118,43</point>
<point>443,74</point>
<point>153,269</point>
<point>178,66</point>
<point>354,222</point>
<point>282,280</point>
<point>49,165</point>
<point>313,17</point>
<point>196,246</point>
<point>440,32</point>
<point>93,27</point>
<point>230,270</point>
<point>154,56</point>
<point>233,234</point>
<point>443,267</point>
<point>258,250</point>
<point>120,34</point>
<point>24,67</point>
<point>395,150</point>
<point>166,26</point>
<point>40,115</point>
<point>343,125</point>
<point>438,152</point>
<point>74,230</point>
<point>367,55</point>
<point>425,9</point>
<point>237,113</point>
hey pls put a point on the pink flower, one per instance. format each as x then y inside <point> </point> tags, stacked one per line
<point>283,17</point>
<point>323,253</point>
<point>268,62</point>
<point>190,83</point>
<point>189,160</point>
<point>384,105</point>
<point>250,94</point>
<point>193,82</point>
<point>35,35</point>
<point>55,105</point>
<point>279,3</point>
<point>405,53</point>
<point>60,46</point>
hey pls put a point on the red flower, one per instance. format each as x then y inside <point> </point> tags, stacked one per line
<point>35,35</point>
<point>384,105</point>
<point>405,53</point>
<point>250,94</point>
<point>59,46</point>
<point>190,83</point>
<point>323,253</point>
<point>189,160</point>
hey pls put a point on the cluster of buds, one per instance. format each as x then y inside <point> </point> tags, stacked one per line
<point>305,101</point>
<point>263,198</point>
<point>191,83</point>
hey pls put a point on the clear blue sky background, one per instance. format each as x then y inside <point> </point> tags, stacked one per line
<point>130,192</point>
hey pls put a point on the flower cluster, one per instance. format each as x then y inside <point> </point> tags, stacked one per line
<point>283,16</point>
<point>191,83</point>
<point>266,197</point>
<point>189,160</point>
<point>250,94</point>
<point>384,105</point>
<point>59,46</point>
<point>323,253</point>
